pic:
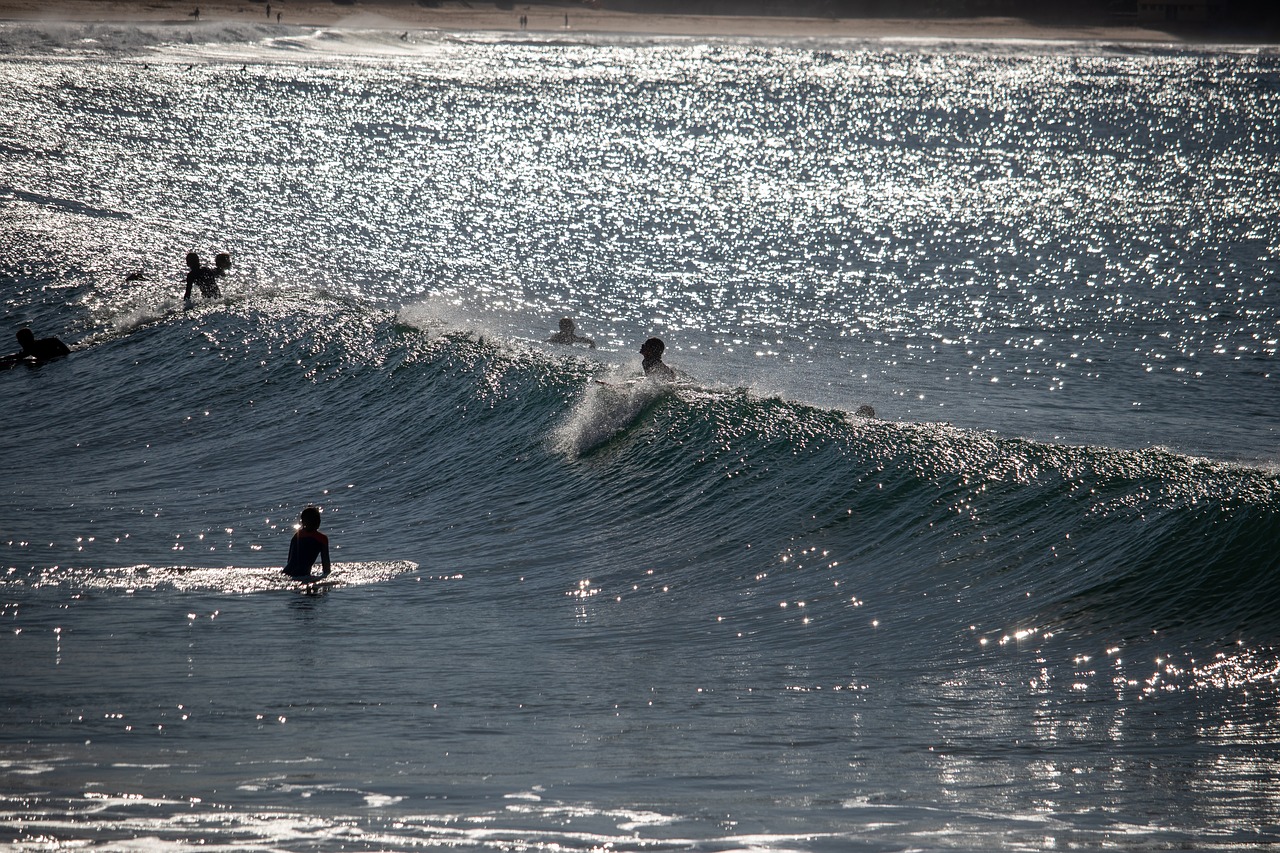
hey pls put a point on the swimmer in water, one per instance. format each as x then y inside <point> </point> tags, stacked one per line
<point>653,364</point>
<point>568,334</point>
<point>204,277</point>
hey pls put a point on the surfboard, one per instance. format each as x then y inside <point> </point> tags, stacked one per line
<point>315,587</point>
<point>635,382</point>
<point>229,579</point>
<point>14,360</point>
<point>340,575</point>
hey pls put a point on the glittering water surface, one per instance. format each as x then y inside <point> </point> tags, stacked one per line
<point>1027,607</point>
<point>1031,240</point>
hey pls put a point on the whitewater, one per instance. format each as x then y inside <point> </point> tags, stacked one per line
<point>1028,604</point>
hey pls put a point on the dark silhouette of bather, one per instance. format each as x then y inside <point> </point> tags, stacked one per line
<point>206,278</point>
<point>35,351</point>
<point>307,544</point>
<point>653,364</point>
<point>568,334</point>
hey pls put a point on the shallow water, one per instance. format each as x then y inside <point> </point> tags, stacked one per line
<point>1028,606</point>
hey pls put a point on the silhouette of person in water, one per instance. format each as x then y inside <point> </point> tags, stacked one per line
<point>35,351</point>
<point>307,544</point>
<point>653,364</point>
<point>206,278</point>
<point>568,334</point>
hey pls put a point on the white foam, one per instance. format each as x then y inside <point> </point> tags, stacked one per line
<point>603,411</point>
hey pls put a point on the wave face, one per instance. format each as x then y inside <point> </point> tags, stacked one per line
<point>1026,605</point>
<point>456,432</point>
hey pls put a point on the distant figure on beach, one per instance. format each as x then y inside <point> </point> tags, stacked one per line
<point>278,14</point>
<point>206,278</point>
<point>568,334</point>
<point>35,351</point>
<point>307,544</point>
<point>196,13</point>
<point>653,364</point>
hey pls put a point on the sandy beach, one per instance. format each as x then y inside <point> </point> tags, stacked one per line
<point>457,15</point>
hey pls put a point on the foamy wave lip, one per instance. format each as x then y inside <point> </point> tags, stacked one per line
<point>425,316</point>
<point>605,410</point>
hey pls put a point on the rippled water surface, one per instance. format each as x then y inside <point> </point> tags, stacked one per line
<point>1031,239</point>
<point>1028,606</point>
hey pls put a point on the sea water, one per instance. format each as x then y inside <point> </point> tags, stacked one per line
<point>1031,604</point>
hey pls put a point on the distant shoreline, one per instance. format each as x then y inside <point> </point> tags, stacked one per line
<point>462,15</point>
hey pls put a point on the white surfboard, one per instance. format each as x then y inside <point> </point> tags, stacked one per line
<point>232,579</point>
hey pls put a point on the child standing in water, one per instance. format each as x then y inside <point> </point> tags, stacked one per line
<point>307,544</point>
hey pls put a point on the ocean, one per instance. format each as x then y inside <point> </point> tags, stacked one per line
<point>1029,604</point>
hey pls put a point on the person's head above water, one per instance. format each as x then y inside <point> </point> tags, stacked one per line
<point>653,364</point>
<point>652,348</point>
<point>566,325</point>
<point>310,518</point>
<point>26,337</point>
<point>193,261</point>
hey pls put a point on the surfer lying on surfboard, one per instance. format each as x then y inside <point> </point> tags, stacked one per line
<point>35,351</point>
<point>307,544</point>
